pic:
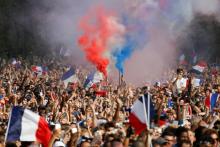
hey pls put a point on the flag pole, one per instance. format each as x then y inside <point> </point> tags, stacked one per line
<point>145,113</point>
<point>147,121</point>
<point>6,134</point>
<point>148,99</point>
<point>148,106</point>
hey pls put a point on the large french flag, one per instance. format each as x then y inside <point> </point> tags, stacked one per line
<point>25,125</point>
<point>69,76</point>
<point>141,113</point>
<point>210,101</point>
<point>93,79</point>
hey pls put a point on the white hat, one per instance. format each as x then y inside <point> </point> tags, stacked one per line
<point>58,144</point>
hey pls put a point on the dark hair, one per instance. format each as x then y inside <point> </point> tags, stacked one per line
<point>138,144</point>
<point>107,144</point>
<point>180,130</point>
<point>209,132</point>
<point>114,141</point>
<point>217,125</point>
<point>179,70</point>
<point>85,139</point>
<point>169,131</point>
<point>199,132</point>
<point>10,144</point>
<point>207,139</point>
<point>180,144</point>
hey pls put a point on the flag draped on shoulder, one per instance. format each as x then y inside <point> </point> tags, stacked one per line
<point>69,76</point>
<point>25,125</point>
<point>141,114</point>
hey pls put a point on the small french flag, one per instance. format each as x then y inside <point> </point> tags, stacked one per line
<point>141,113</point>
<point>25,125</point>
<point>16,64</point>
<point>93,79</point>
<point>39,70</point>
<point>210,101</point>
<point>182,60</point>
<point>200,67</point>
<point>69,76</point>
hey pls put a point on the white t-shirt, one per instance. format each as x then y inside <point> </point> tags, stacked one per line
<point>180,84</point>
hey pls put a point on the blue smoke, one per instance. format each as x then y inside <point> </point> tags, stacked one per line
<point>136,38</point>
<point>121,55</point>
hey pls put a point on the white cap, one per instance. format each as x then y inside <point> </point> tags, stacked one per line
<point>58,144</point>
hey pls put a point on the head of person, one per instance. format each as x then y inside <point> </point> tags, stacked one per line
<point>214,135</point>
<point>191,136</point>
<point>218,88</point>
<point>182,134</point>
<point>58,144</point>
<point>206,141</point>
<point>85,144</point>
<point>138,144</point>
<point>169,136</point>
<point>42,111</point>
<point>116,143</point>
<point>185,143</point>
<point>199,132</point>
<point>179,72</point>
<point>207,92</point>
<point>85,141</point>
<point>160,142</point>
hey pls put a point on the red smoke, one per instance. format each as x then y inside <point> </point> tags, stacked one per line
<point>163,4</point>
<point>96,32</point>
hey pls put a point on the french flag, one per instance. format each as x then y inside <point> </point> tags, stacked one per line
<point>199,68</point>
<point>101,93</point>
<point>141,113</point>
<point>93,79</point>
<point>16,64</point>
<point>69,76</point>
<point>182,60</point>
<point>210,101</point>
<point>39,70</point>
<point>194,57</point>
<point>25,125</point>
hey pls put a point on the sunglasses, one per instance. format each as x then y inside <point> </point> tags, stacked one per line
<point>86,139</point>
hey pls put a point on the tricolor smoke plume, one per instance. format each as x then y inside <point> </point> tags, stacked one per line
<point>96,32</point>
<point>148,43</point>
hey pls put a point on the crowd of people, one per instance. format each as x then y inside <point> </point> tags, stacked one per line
<point>98,116</point>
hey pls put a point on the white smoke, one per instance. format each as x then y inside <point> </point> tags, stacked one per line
<point>157,42</point>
